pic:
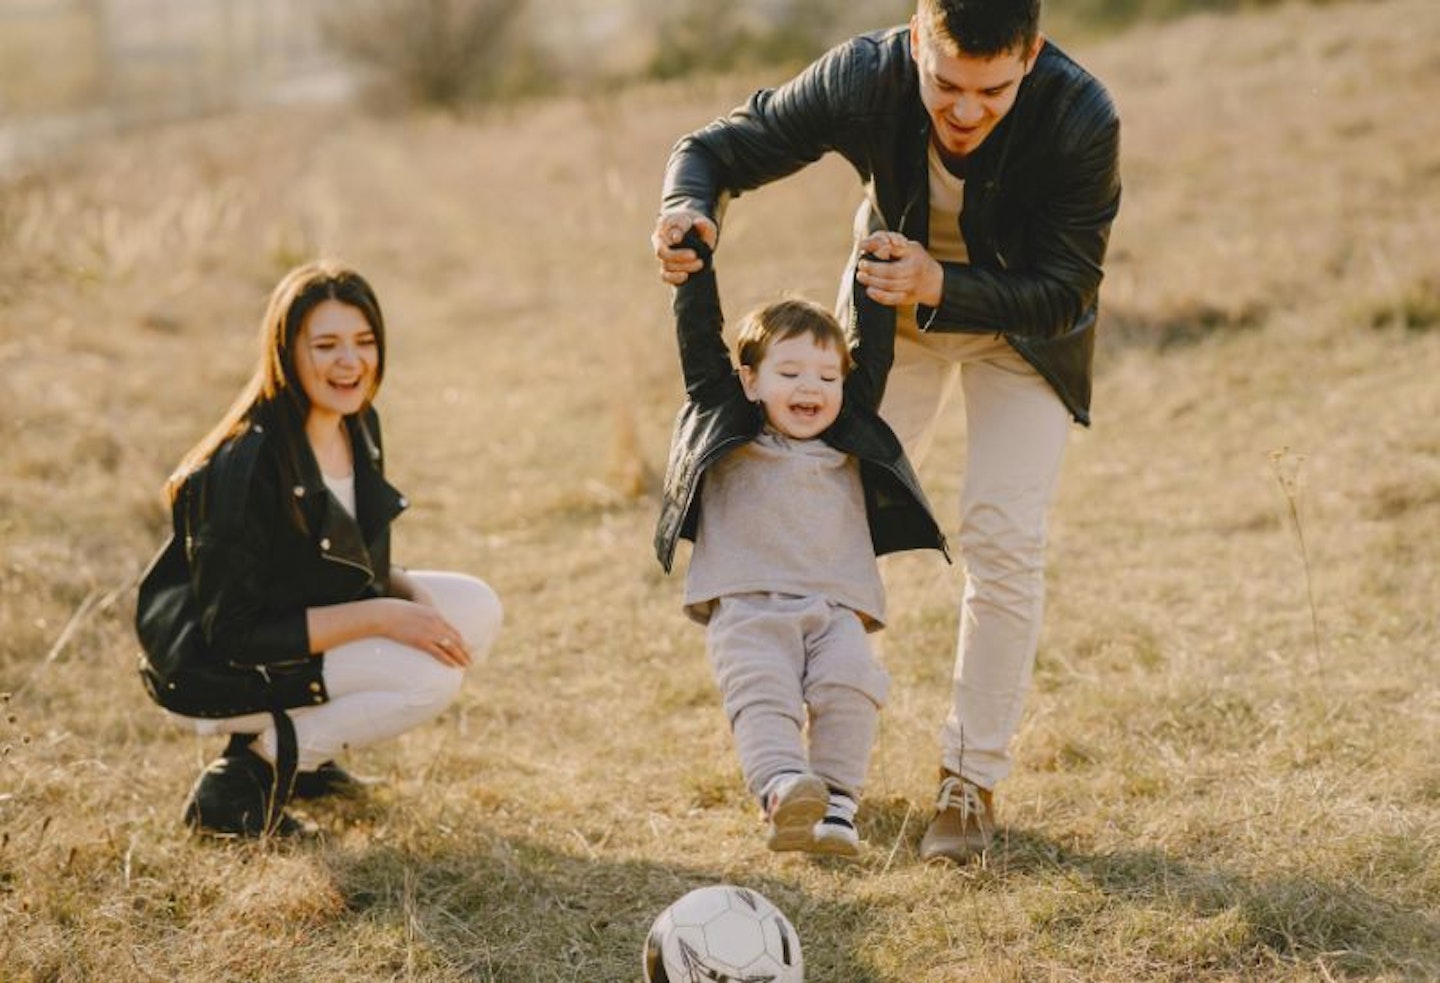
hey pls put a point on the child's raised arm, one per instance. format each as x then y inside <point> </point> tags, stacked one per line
<point>871,330</point>
<point>699,328</point>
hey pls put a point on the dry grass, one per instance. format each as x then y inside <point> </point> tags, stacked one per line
<point>1203,792</point>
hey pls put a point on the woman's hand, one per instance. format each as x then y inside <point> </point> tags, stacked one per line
<point>904,274</point>
<point>416,623</point>
<point>420,625</point>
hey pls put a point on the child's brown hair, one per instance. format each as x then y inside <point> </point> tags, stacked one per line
<point>788,318</point>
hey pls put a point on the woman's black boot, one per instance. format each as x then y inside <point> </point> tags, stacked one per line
<point>236,795</point>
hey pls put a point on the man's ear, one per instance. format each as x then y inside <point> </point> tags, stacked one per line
<point>747,382</point>
<point>1034,51</point>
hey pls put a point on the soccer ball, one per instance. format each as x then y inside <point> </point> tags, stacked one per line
<point>723,934</point>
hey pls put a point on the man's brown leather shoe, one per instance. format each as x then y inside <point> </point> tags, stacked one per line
<point>964,821</point>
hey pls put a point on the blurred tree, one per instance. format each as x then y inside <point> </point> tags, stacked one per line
<point>1105,16</point>
<point>442,53</point>
<point>696,36</point>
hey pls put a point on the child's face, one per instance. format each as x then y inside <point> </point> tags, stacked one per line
<point>799,383</point>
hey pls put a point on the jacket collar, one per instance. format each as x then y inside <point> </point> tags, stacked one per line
<point>377,502</point>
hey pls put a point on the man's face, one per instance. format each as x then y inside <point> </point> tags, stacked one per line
<point>966,96</point>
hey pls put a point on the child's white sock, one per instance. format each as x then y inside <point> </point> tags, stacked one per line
<point>774,784</point>
<point>835,833</point>
<point>841,808</point>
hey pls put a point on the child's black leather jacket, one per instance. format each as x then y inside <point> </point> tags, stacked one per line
<point>717,418</point>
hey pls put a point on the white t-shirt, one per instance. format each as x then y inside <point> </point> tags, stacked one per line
<point>947,198</point>
<point>343,489</point>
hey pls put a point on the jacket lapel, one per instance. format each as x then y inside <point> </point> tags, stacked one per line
<point>377,502</point>
<point>344,538</point>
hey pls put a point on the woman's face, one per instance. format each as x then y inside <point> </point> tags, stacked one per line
<point>337,357</point>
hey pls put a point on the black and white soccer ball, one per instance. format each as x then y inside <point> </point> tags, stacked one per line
<point>723,934</point>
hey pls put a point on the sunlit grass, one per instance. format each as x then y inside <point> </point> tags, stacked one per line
<point>1193,798</point>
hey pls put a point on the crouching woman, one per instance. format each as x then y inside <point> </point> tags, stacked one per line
<point>274,614</point>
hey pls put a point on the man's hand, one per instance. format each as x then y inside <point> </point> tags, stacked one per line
<point>907,275</point>
<point>676,265</point>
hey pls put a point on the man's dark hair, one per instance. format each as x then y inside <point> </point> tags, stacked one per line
<point>982,28</point>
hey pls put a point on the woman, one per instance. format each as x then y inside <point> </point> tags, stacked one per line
<point>274,614</point>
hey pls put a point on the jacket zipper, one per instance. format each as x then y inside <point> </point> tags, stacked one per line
<point>369,574</point>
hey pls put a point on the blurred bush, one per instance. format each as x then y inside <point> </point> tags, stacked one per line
<point>453,53</point>
<point>701,37</point>
<point>437,53</point>
<point>1108,16</point>
<point>704,37</point>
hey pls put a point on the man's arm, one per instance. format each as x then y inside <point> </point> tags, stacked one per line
<point>774,134</point>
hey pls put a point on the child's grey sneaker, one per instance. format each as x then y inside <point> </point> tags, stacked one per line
<point>794,803</point>
<point>835,834</point>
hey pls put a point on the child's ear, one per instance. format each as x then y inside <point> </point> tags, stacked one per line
<point>747,382</point>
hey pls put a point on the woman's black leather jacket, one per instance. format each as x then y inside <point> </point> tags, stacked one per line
<point>222,619</point>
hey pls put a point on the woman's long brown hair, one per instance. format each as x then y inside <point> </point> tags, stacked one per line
<point>274,392</point>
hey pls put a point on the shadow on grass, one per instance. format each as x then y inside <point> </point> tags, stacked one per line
<point>472,905</point>
<point>513,911</point>
<point>1291,918</point>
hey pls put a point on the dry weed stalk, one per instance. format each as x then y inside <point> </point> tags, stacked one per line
<point>1286,467</point>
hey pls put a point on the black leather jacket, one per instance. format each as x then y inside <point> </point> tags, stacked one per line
<point>223,620</point>
<point>1040,192</point>
<point>717,418</point>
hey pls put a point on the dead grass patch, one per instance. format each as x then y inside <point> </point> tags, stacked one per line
<point>1192,800</point>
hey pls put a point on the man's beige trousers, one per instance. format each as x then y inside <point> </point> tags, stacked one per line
<point>1016,429</point>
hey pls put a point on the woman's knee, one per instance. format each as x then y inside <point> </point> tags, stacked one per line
<point>434,685</point>
<point>468,603</point>
<point>482,616</point>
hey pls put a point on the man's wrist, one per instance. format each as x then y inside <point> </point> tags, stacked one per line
<point>932,287</point>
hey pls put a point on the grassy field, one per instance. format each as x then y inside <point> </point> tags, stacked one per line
<point>1230,765</point>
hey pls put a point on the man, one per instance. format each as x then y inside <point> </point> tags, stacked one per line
<point>996,157</point>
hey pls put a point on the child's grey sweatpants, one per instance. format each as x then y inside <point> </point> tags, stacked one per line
<point>777,657</point>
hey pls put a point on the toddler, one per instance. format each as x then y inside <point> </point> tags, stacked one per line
<point>788,483</point>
